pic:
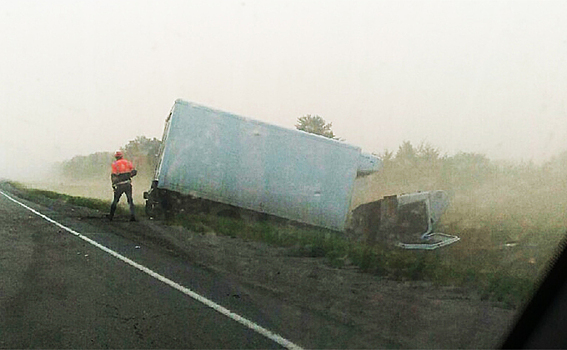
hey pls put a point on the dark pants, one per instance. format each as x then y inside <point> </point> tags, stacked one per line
<point>118,191</point>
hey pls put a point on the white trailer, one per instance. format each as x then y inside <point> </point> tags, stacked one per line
<point>225,158</point>
<point>210,156</point>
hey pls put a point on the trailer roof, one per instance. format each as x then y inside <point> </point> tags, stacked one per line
<point>259,122</point>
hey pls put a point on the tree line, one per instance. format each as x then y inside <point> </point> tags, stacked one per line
<point>422,165</point>
<point>142,151</point>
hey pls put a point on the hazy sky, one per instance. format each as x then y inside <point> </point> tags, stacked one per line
<point>77,77</point>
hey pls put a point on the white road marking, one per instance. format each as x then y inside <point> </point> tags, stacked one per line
<point>259,329</point>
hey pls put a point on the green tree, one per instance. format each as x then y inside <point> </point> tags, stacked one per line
<point>425,155</point>
<point>386,156</point>
<point>142,146</point>
<point>86,167</point>
<point>467,169</point>
<point>428,153</point>
<point>316,125</point>
<point>406,154</point>
<point>411,168</point>
<point>143,152</point>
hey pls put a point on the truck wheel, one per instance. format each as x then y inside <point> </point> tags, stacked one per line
<point>152,209</point>
<point>166,204</point>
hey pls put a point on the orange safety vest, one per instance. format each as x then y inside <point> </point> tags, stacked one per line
<point>122,166</point>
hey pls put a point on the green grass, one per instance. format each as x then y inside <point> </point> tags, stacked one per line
<point>485,218</point>
<point>50,197</point>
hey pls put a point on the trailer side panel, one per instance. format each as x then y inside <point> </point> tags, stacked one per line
<point>246,163</point>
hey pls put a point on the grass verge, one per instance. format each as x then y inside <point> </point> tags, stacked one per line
<point>445,266</point>
<point>486,271</point>
<point>50,197</point>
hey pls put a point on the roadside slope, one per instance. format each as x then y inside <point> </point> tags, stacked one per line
<point>357,310</point>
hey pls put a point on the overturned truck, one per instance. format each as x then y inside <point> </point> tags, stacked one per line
<point>214,161</point>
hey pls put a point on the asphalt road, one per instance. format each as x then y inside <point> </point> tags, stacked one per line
<point>58,290</point>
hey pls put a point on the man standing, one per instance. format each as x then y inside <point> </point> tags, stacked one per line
<point>122,173</point>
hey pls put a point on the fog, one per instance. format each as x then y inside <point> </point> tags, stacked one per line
<point>487,77</point>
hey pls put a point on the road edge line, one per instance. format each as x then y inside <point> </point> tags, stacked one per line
<point>219,308</point>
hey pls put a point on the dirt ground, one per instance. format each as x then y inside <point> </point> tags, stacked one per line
<point>400,314</point>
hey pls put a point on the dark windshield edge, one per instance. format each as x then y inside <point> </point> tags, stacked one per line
<point>541,325</point>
